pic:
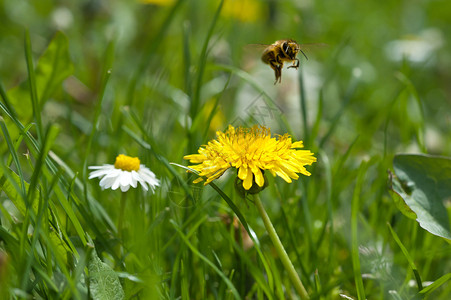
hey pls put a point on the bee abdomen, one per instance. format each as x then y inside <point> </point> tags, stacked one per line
<point>268,56</point>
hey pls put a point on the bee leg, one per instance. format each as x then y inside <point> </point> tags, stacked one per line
<point>295,64</point>
<point>278,73</point>
<point>277,67</point>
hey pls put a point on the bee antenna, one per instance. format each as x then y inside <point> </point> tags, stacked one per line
<point>304,54</point>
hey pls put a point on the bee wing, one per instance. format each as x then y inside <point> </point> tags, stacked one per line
<point>307,46</point>
<point>257,46</point>
<point>312,46</point>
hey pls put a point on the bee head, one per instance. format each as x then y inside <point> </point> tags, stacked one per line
<point>290,48</point>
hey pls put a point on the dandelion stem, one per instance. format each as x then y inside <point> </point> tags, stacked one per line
<point>294,277</point>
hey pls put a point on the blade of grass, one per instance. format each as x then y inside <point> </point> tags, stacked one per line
<point>206,260</point>
<point>94,207</point>
<point>249,264</point>
<point>32,85</point>
<point>318,119</point>
<point>306,215</point>
<point>436,284</point>
<point>303,105</point>
<point>407,256</point>
<point>195,100</point>
<point>243,221</point>
<point>27,135</point>
<point>149,53</point>
<point>214,109</point>
<point>29,205</point>
<point>13,154</point>
<point>106,73</point>
<point>187,58</point>
<point>29,139</point>
<point>317,283</point>
<point>330,212</point>
<point>413,91</point>
<point>344,104</point>
<point>355,243</point>
<point>12,245</point>
<point>49,138</point>
<point>280,285</point>
<point>344,158</point>
<point>295,247</point>
<point>8,108</point>
<point>59,190</point>
<point>185,285</point>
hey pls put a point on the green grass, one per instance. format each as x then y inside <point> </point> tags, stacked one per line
<point>157,82</point>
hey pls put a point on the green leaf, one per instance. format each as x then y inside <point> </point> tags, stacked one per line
<point>103,281</point>
<point>424,183</point>
<point>397,192</point>
<point>53,67</point>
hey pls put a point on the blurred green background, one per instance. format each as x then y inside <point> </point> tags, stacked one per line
<point>381,86</point>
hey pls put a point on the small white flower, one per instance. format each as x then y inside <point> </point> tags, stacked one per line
<point>417,48</point>
<point>126,171</point>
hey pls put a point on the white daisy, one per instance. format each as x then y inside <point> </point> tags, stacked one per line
<point>126,171</point>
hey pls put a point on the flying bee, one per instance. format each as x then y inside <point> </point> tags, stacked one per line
<point>283,51</point>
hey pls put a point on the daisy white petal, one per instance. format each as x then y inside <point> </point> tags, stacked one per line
<point>116,183</point>
<point>149,176</point>
<point>125,179</point>
<point>124,188</point>
<point>144,185</point>
<point>99,173</point>
<point>134,179</point>
<point>107,182</point>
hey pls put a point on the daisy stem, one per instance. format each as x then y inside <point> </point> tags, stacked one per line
<point>294,277</point>
<point>121,215</point>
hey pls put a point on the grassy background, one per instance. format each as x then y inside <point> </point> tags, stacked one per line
<point>157,81</point>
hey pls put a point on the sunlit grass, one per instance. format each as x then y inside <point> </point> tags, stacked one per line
<point>156,82</point>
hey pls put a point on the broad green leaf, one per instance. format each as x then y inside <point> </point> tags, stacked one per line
<point>397,192</point>
<point>424,183</point>
<point>103,281</point>
<point>53,67</point>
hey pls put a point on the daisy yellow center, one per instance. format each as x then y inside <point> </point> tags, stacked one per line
<point>127,163</point>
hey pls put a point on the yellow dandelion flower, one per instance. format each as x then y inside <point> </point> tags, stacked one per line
<point>157,2</point>
<point>251,151</point>
<point>243,10</point>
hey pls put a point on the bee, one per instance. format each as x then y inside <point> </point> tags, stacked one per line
<point>283,51</point>
<point>279,52</point>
